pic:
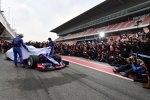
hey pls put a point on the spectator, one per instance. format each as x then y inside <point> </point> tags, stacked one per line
<point>4,46</point>
<point>146,52</point>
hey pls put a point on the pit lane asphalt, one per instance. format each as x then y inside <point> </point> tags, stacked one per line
<point>72,83</point>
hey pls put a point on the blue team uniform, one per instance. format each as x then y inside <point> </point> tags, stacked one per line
<point>52,45</point>
<point>17,43</point>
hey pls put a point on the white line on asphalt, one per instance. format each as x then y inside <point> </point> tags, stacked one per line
<point>95,63</point>
<point>100,70</point>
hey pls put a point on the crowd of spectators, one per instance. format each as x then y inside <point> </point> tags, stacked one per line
<point>121,53</point>
<point>103,51</point>
<point>4,46</point>
<point>38,44</point>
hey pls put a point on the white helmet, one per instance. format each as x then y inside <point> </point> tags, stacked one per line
<point>19,34</point>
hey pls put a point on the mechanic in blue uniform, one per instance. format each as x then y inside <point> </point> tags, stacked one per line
<point>52,46</point>
<point>17,43</point>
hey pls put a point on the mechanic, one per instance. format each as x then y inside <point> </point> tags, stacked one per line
<point>52,46</point>
<point>17,43</point>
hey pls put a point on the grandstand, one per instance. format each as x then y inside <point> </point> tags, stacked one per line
<point>112,17</point>
<point>6,33</point>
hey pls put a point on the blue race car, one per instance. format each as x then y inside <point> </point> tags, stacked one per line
<point>44,62</point>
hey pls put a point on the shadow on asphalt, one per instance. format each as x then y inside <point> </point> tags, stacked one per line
<point>36,83</point>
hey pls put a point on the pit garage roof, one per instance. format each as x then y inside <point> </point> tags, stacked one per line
<point>101,10</point>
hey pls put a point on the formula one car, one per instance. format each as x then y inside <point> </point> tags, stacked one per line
<point>37,58</point>
<point>43,62</point>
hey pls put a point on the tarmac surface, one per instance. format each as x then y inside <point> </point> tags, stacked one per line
<point>71,83</point>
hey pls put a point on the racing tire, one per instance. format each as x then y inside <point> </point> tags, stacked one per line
<point>32,61</point>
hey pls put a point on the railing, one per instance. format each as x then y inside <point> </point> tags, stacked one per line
<point>108,29</point>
